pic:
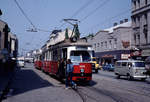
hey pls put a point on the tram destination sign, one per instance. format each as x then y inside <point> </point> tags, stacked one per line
<point>81,48</point>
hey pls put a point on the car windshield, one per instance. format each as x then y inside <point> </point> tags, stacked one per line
<point>139,64</point>
<point>93,59</point>
<point>80,56</point>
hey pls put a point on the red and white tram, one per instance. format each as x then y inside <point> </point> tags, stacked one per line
<point>62,46</point>
<point>80,54</point>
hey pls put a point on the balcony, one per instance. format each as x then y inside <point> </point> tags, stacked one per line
<point>140,10</point>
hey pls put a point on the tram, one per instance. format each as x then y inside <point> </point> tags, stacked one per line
<point>63,46</point>
<point>80,54</point>
<point>38,60</point>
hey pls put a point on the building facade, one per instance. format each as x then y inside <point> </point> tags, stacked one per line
<point>112,44</point>
<point>141,26</point>
<point>8,48</point>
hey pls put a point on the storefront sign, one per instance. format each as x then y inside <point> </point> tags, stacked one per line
<point>125,56</point>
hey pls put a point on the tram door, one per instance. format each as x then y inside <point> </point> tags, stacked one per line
<point>64,54</point>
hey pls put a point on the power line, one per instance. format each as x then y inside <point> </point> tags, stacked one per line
<point>79,10</point>
<point>93,11</point>
<point>24,14</point>
<point>82,8</point>
<point>118,15</point>
<point>29,20</point>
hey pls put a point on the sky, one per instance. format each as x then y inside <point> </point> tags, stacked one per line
<point>94,15</point>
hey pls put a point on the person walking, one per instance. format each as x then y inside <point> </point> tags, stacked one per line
<point>69,73</point>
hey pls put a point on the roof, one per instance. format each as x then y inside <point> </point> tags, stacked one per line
<point>126,24</point>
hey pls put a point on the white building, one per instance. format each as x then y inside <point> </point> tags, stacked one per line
<point>113,43</point>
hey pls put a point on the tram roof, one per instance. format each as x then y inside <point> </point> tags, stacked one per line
<point>67,43</point>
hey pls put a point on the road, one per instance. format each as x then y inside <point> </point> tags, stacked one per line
<point>32,85</point>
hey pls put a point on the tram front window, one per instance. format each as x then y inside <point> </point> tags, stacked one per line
<point>79,56</point>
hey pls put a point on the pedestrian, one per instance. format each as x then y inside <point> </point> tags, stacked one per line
<point>69,73</point>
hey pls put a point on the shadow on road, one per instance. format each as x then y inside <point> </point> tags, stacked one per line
<point>27,80</point>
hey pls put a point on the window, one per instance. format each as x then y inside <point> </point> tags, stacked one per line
<point>118,64</point>
<point>106,44</point>
<point>110,44</point>
<point>79,56</point>
<point>101,44</point>
<point>139,64</point>
<point>145,16</point>
<point>135,38</point>
<point>139,3</point>
<point>145,2</point>
<point>145,30</point>
<point>97,44</point>
<point>124,63</point>
<point>138,38</point>
<point>115,45</point>
<point>134,4</point>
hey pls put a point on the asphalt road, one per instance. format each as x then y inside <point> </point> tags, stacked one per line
<point>32,85</point>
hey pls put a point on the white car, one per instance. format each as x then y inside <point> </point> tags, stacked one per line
<point>20,63</point>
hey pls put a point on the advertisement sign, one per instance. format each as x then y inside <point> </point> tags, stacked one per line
<point>125,56</point>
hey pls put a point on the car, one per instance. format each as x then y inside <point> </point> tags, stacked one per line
<point>109,67</point>
<point>20,63</point>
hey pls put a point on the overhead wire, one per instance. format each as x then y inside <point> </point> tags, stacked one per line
<point>29,20</point>
<point>93,11</point>
<point>79,10</point>
<point>24,14</point>
<point>118,15</point>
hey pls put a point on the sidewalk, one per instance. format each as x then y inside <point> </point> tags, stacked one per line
<point>5,80</point>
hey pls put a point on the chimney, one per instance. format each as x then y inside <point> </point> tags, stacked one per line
<point>125,20</point>
<point>121,22</point>
<point>115,24</point>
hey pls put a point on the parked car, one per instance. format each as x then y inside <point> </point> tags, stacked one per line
<point>109,67</point>
<point>20,63</point>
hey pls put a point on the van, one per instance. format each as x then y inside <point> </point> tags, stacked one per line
<point>130,68</point>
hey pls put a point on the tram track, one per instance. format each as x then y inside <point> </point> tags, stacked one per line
<point>131,90</point>
<point>84,96</point>
<point>115,96</point>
